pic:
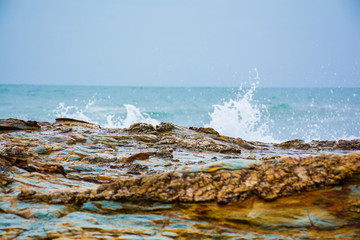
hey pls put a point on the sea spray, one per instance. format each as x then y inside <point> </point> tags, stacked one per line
<point>89,113</point>
<point>133,115</point>
<point>284,113</point>
<point>75,112</point>
<point>241,117</point>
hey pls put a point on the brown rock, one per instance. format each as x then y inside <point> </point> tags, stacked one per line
<point>353,205</point>
<point>322,144</point>
<point>268,181</point>
<point>137,156</point>
<point>296,143</point>
<point>68,122</point>
<point>348,144</point>
<point>165,127</point>
<point>209,131</point>
<point>12,124</point>
<point>23,163</point>
<point>141,128</point>
<point>164,153</point>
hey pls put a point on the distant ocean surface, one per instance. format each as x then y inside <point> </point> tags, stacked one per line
<point>255,114</point>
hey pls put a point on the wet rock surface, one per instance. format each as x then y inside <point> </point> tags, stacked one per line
<point>73,179</point>
<point>16,125</point>
<point>320,145</point>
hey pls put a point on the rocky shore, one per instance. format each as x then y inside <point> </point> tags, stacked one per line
<point>72,179</point>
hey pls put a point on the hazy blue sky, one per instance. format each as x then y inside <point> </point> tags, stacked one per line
<point>292,43</point>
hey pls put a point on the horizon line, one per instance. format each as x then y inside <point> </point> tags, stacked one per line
<point>155,86</point>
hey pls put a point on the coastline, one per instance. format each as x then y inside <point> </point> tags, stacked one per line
<point>79,177</point>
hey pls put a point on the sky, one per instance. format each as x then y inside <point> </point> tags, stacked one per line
<point>280,43</point>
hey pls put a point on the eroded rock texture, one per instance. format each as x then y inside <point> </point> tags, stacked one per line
<point>73,180</point>
<point>268,181</point>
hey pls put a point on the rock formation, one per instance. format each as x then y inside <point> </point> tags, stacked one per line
<point>73,179</point>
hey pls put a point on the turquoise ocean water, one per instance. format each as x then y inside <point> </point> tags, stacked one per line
<point>262,114</point>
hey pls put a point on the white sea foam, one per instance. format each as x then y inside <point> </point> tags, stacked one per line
<point>75,112</point>
<point>89,113</point>
<point>250,113</point>
<point>133,115</point>
<point>241,117</point>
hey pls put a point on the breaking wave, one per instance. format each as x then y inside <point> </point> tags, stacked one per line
<point>266,115</point>
<point>133,115</point>
<point>239,116</point>
<point>63,111</point>
<point>242,117</point>
<point>93,114</point>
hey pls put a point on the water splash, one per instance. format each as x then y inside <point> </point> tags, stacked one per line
<point>89,113</point>
<point>241,117</point>
<point>133,115</point>
<point>75,112</point>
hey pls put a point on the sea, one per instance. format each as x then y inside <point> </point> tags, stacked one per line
<point>252,113</point>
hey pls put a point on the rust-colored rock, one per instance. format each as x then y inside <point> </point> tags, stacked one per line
<point>12,124</point>
<point>23,163</point>
<point>353,205</point>
<point>69,122</point>
<point>208,131</point>
<point>137,156</point>
<point>84,181</point>
<point>5,180</point>
<point>268,181</point>
<point>316,144</point>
